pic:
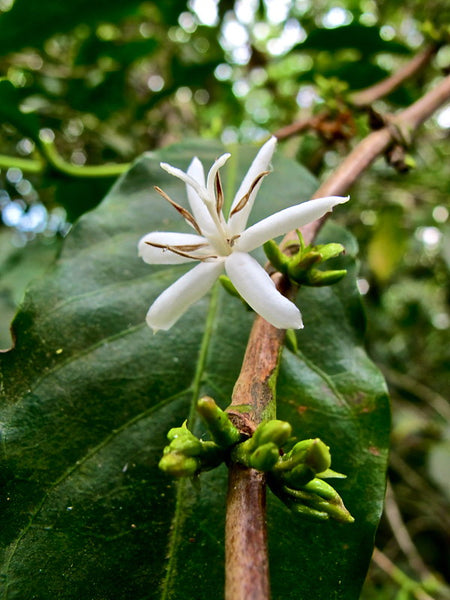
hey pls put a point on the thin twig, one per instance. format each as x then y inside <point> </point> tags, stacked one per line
<point>385,87</point>
<point>397,575</point>
<point>408,384</point>
<point>254,389</point>
<point>311,122</point>
<point>402,536</point>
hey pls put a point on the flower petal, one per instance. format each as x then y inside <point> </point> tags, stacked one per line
<point>188,179</point>
<point>161,256</point>
<point>212,176</point>
<point>286,220</point>
<point>177,298</point>
<point>238,221</point>
<point>259,291</point>
<point>197,205</point>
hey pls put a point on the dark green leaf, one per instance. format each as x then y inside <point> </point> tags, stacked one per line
<point>124,52</point>
<point>10,99</point>
<point>79,195</point>
<point>89,394</point>
<point>17,269</point>
<point>359,37</point>
<point>30,23</point>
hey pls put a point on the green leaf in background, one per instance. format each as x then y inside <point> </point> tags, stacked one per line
<point>367,40</point>
<point>10,99</point>
<point>17,269</point>
<point>88,395</point>
<point>29,23</point>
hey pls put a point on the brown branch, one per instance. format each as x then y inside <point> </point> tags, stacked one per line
<point>312,122</point>
<point>247,564</point>
<point>385,87</point>
<point>253,395</point>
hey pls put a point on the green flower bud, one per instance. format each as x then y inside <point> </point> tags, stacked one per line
<point>328,251</point>
<point>223,432</point>
<point>228,286</point>
<point>330,474</point>
<point>176,432</point>
<point>318,278</point>
<point>322,489</point>
<point>276,257</point>
<point>298,476</point>
<point>318,456</point>
<point>329,500</point>
<point>178,465</point>
<point>189,446</point>
<point>298,454</point>
<point>300,263</point>
<point>310,513</point>
<point>264,457</point>
<point>275,431</point>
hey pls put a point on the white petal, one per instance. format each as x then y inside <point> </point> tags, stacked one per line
<point>160,256</point>
<point>261,162</point>
<point>198,207</point>
<point>212,176</point>
<point>177,298</point>
<point>196,171</point>
<point>189,180</point>
<point>286,220</point>
<point>259,291</point>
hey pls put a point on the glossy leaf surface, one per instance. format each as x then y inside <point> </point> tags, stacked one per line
<point>88,395</point>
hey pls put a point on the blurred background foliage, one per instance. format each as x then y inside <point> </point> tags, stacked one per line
<point>88,86</point>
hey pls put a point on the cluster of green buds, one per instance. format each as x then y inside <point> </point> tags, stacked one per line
<point>298,480</point>
<point>186,455</point>
<point>296,476</point>
<point>299,262</point>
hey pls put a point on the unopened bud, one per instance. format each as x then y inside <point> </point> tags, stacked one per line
<point>264,457</point>
<point>328,251</point>
<point>228,286</point>
<point>277,258</point>
<point>189,446</point>
<point>317,278</point>
<point>318,456</point>
<point>176,432</point>
<point>223,431</point>
<point>275,431</point>
<point>299,476</point>
<point>178,464</point>
<point>308,512</point>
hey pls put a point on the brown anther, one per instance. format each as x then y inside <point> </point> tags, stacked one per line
<point>183,212</point>
<point>233,239</point>
<point>219,194</point>
<point>243,201</point>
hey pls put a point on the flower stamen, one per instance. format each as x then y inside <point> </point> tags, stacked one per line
<point>183,212</point>
<point>184,251</point>
<point>231,240</point>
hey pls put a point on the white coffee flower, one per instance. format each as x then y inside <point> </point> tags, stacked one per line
<point>224,245</point>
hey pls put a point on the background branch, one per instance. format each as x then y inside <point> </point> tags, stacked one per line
<point>385,87</point>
